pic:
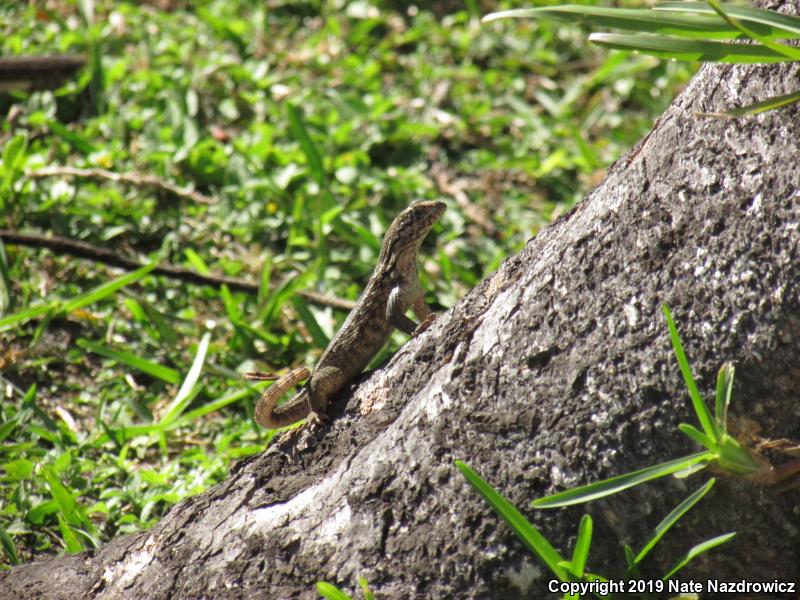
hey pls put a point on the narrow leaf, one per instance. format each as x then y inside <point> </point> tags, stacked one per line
<point>8,546</point>
<point>331,592</point>
<point>673,518</point>
<point>698,436</point>
<point>126,358</point>
<point>700,408</point>
<point>629,19</point>
<point>723,395</point>
<point>697,551</point>
<point>299,132</point>
<point>788,51</point>
<point>582,544</point>
<point>782,26</point>
<point>756,107</point>
<point>690,50</point>
<point>527,533</point>
<point>617,484</point>
<point>187,390</point>
<point>107,289</point>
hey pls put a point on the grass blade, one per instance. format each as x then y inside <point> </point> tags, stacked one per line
<point>700,408</point>
<point>697,551</point>
<point>300,133</point>
<point>331,592</point>
<point>8,546</point>
<point>690,50</point>
<point>723,395</point>
<point>788,51</point>
<point>107,289</point>
<point>783,26</point>
<point>582,544</point>
<point>126,358</point>
<point>756,107</point>
<point>27,314</point>
<point>698,436</point>
<point>673,518</point>
<point>607,487</point>
<point>630,19</point>
<point>527,533</point>
<point>187,390</point>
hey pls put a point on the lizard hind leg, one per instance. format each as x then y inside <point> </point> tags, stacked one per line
<point>325,382</point>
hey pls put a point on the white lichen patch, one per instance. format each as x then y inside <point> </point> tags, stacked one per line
<point>123,574</point>
<point>524,577</point>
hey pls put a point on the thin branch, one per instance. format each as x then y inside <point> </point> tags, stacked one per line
<point>85,250</point>
<point>132,178</point>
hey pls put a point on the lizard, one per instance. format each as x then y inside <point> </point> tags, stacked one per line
<point>392,289</point>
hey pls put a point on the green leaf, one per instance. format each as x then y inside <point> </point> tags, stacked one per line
<point>782,26</point>
<point>527,533</point>
<point>755,108</point>
<point>614,485</point>
<point>673,518</point>
<point>331,592</point>
<point>196,261</point>
<point>368,595</point>
<point>71,541</point>
<point>299,132</point>
<point>301,306</point>
<point>697,551</point>
<point>13,157</point>
<point>700,408</point>
<point>723,395</point>
<point>107,289</point>
<point>691,50</point>
<point>628,19</point>
<point>787,51</point>
<point>67,506</point>
<point>6,300</point>
<point>26,314</point>
<point>582,544</point>
<point>79,143</point>
<point>8,546</point>
<point>188,389</point>
<point>18,470</point>
<point>126,358</point>
<point>698,436</point>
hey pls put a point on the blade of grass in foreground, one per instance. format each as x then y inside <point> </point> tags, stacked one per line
<point>607,487</point>
<point>783,26</point>
<point>187,390</point>
<point>787,51</point>
<point>703,415</point>
<point>691,50</point>
<point>629,19</point>
<point>527,533</point>
<point>697,551</point>
<point>673,518</point>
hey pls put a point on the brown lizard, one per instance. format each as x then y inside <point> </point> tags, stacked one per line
<point>393,288</point>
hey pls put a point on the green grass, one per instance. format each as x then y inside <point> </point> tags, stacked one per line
<point>310,125</point>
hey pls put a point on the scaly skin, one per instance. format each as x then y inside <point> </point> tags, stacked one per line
<point>392,289</point>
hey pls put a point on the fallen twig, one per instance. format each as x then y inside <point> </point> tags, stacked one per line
<point>92,252</point>
<point>132,178</point>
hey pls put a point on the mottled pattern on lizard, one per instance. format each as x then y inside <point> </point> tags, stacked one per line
<point>392,289</point>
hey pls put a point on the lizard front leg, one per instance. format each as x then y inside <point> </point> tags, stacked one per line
<point>400,298</point>
<point>424,314</point>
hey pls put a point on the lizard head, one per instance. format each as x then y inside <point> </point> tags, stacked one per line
<point>409,228</point>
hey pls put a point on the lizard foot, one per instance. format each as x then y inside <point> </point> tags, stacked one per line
<point>422,327</point>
